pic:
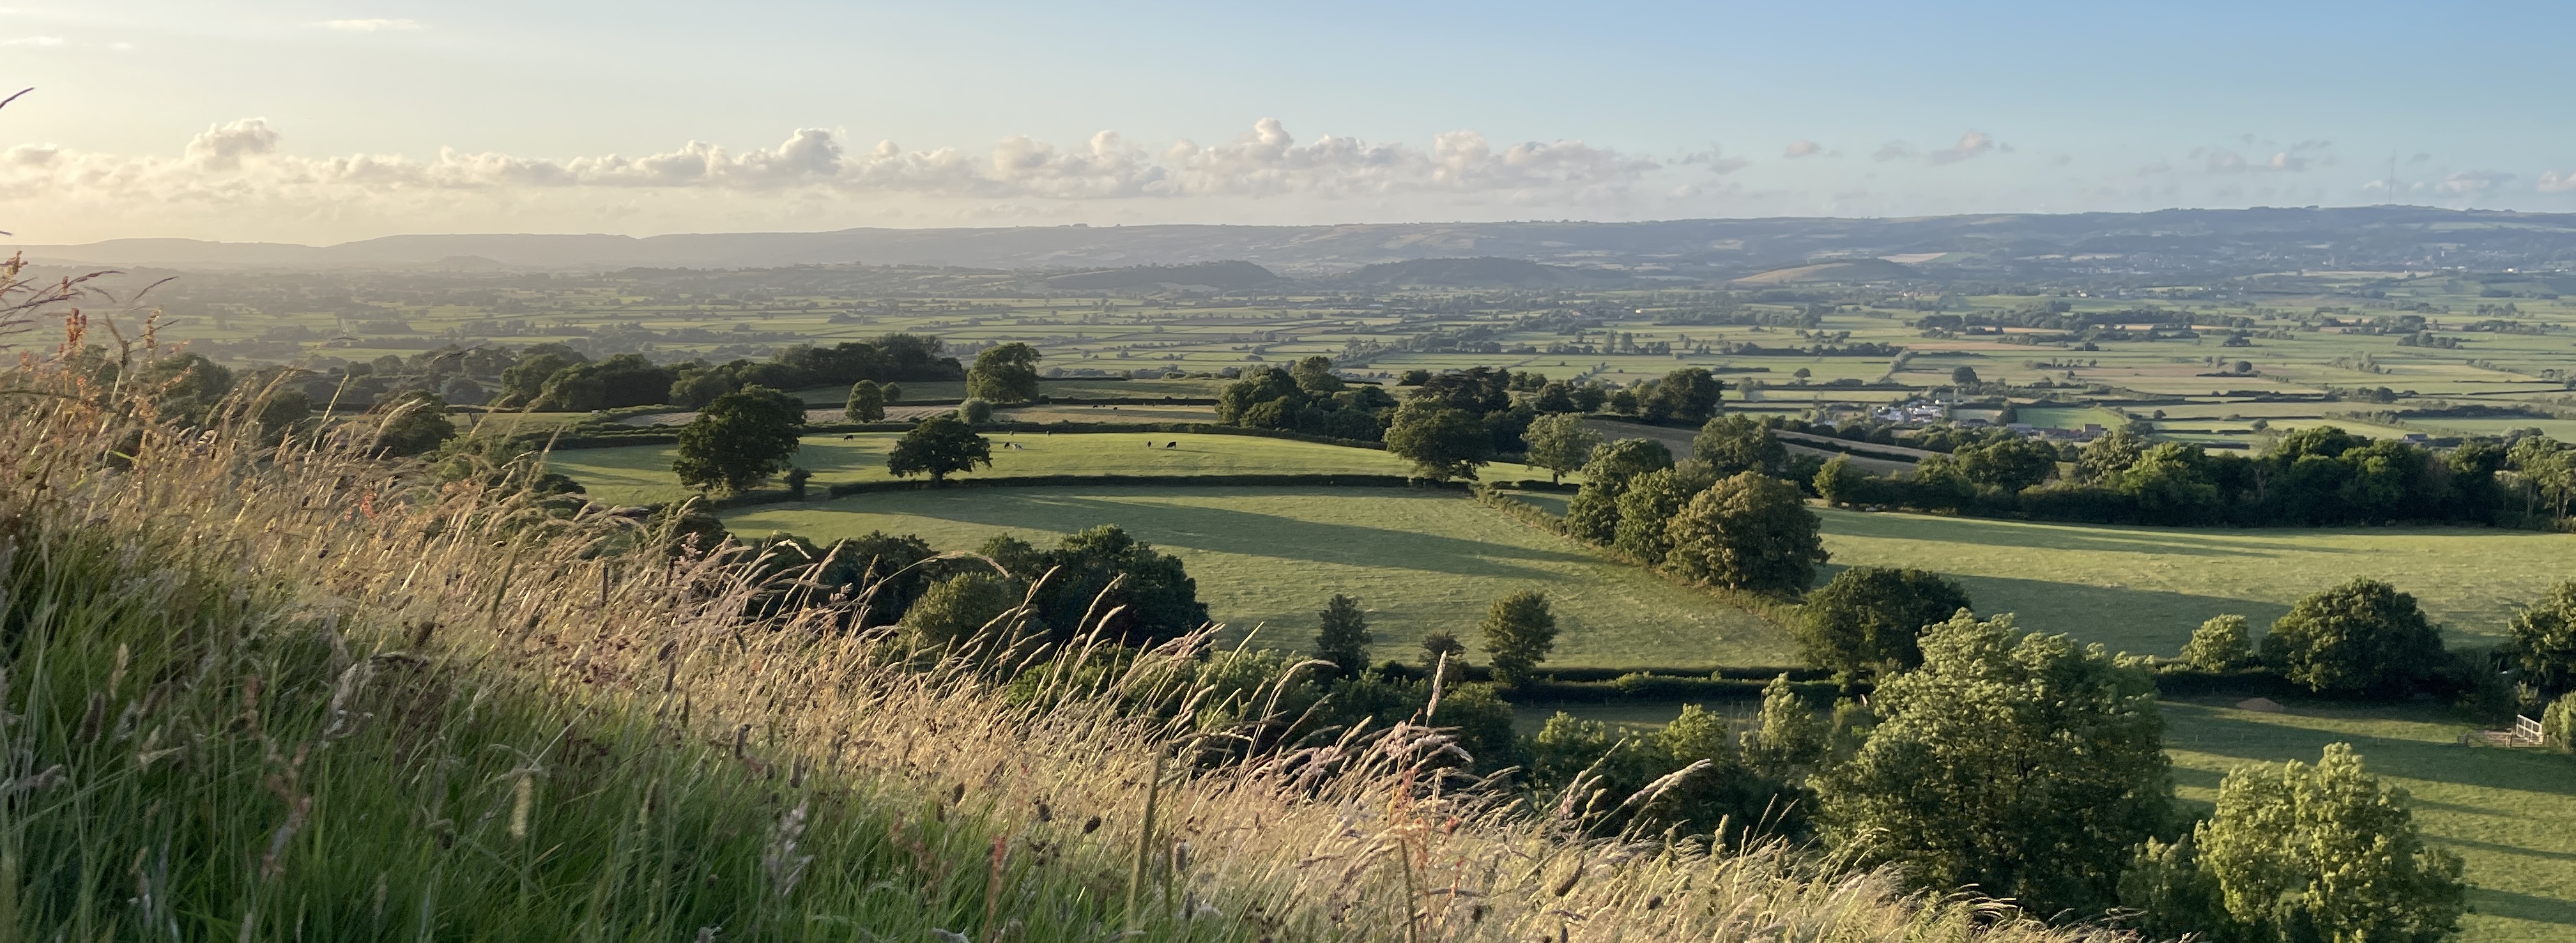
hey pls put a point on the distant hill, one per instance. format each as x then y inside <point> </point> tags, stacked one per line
<point>1486,272</point>
<point>1855,270</point>
<point>1229,275</point>
<point>2206,242</point>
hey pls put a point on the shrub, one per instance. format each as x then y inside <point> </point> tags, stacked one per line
<point>2363,637</point>
<point>1867,618</point>
<point>2224,643</point>
<point>1519,632</point>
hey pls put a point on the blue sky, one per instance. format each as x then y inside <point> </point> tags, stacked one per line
<point>316,122</point>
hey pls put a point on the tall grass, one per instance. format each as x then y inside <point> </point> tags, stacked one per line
<point>297,693</point>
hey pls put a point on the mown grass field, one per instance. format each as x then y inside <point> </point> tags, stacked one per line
<point>1419,560</point>
<point>2143,589</point>
<point>641,474</point>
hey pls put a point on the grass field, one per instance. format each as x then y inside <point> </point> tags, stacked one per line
<point>2143,589</point>
<point>2511,814</point>
<point>641,474</point>
<point>1420,560</point>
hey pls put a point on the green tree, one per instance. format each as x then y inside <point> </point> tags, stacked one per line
<point>1787,739</point>
<point>2019,763</point>
<point>695,388</point>
<point>1519,631</point>
<point>961,609</point>
<point>1842,483</point>
<point>1752,532</point>
<point>186,388</point>
<point>1557,396</point>
<point>2362,637</point>
<point>1647,507</point>
<point>1342,636</point>
<point>417,424</point>
<point>1004,373</point>
<point>1437,645</point>
<point>1560,443</point>
<point>2008,462</point>
<point>281,413</point>
<point>939,446</point>
<point>2298,853</point>
<point>1731,444</point>
<point>1594,513</point>
<point>1963,376</point>
<point>1442,442</point>
<point>2104,458</point>
<point>739,440</point>
<point>867,402</point>
<point>1867,618</point>
<point>976,411</point>
<point>2541,640</point>
<point>1315,376</point>
<point>1687,395</point>
<point>521,383</point>
<point>2224,643</point>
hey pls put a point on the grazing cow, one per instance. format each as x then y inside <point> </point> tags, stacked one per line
<point>850,436</point>
<point>1171,445</point>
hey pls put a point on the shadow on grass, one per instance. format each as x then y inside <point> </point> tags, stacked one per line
<point>2141,621</point>
<point>2512,906</point>
<point>2091,538</point>
<point>2203,729</point>
<point>1223,530</point>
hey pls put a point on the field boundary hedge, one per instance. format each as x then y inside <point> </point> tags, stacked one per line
<point>1049,481</point>
<point>1782,615</point>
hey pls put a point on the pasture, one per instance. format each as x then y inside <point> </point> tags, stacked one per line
<point>1420,561</point>
<point>2143,589</point>
<point>641,474</point>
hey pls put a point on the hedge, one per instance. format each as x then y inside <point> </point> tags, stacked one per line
<point>1033,481</point>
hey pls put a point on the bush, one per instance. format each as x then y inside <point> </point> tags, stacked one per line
<point>2541,641</point>
<point>2224,643</point>
<point>1867,618</point>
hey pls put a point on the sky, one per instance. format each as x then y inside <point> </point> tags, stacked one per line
<point>321,122</point>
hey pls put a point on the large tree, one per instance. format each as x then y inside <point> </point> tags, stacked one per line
<point>1004,373</point>
<point>1560,443</point>
<point>1594,513</point>
<point>2541,640</point>
<point>739,440</point>
<point>1647,508</point>
<point>1442,442</point>
<point>1731,444</point>
<point>2298,853</point>
<point>2363,637</point>
<point>940,446</point>
<point>1752,532</point>
<point>867,402</point>
<point>1868,618</point>
<point>2008,462</point>
<point>417,424</point>
<point>1519,631</point>
<point>2024,765</point>
<point>1342,635</point>
<point>1686,395</point>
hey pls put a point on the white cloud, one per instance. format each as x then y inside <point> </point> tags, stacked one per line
<point>1893,150</point>
<point>1970,145</point>
<point>370,25</point>
<point>1802,148</point>
<point>2473,181</point>
<point>1718,163</point>
<point>2552,181</point>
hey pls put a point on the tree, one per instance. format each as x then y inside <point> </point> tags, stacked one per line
<point>1315,376</point>
<point>1519,632</point>
<point>418,424</point>
<point>1647,507</point>
<point>186,388</point>
<point>2008,462</point>
<point>1731,444</point>
<point>960,608</point>
<point>1963,376</point>
<point>2296,853</point>
<point>1439,645</point>
<point>1560,443</point>
<point>2110,454</point>
<point>2224,643</point>
<point>740,439</point>
<point>2363,637</point>
<point>281,413</point>
<point>1555,397</point>
<point>1342,636</point>
<point>1751,532</point>
<point>522,382</point>
<point>867,402</point>
<point>976,411</point>
<point>1004,373</point>
<point>1594,513</point>
<point>2020,763</point>
<point>939,446</point>
<point>1442,442</point>
<point>1842,483</point>
<point>2541,641</point>
<point>1788,738</point>
<point>1104,579</point>
<point>1867,619</point>
<point>1687,395</point>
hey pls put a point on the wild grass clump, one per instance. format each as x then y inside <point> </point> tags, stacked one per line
<point>294,692</point>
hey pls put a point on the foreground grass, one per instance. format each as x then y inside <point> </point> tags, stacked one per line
<point>291,696</point>
<point>1421,561</point>
<point>642,474</point>
<point>2143,589</point>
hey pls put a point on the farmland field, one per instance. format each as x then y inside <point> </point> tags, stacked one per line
<point>1419,560</point>
<point>641,474</point>
<point>2143,589</point>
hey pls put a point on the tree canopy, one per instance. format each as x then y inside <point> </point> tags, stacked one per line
<point>1560,443</point>
<point>1004,373</point>
<point>1751,531</point>
<point>1519,631</point>
<point>2363,637</point>
<point>739,440</point>
<point>2540,641</point>
<point>1443,442</point>
<point>1868,618</point>
<point>867,402</point>
<point>940,446</point>
<point>1731,444</point>
<point>1342,635</point>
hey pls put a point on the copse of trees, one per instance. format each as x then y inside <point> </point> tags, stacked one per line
<point>1689,395</point>
<point>1738,443</point>
<point>1442,442</point>
<point>1867,619</point>
<point>415,423</point>
<point>2311,477</point>
<point>1308,397</point>
<point>1103,579</point>
<point>1593,514</point>
<point>739,440</point>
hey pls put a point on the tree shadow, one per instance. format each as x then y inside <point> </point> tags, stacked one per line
<point>2207,729</point>
<point>2514,906</point>
<point>2091,538</point>
<point>1227,530</point>
<point>2140,621</point>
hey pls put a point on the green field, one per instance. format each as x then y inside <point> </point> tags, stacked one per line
<point>2143,589</point>
<point>641,474</point>
<point>1419,560</point>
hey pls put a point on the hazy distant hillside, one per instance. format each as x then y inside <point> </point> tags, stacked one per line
<point>1856,270</point>
<point>1231,275</point>
<point>2215,241</point>
<point>1486,272</point>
